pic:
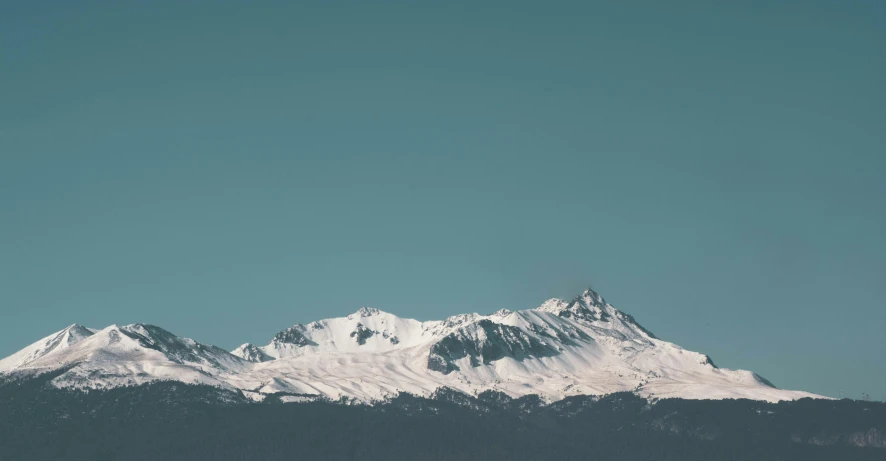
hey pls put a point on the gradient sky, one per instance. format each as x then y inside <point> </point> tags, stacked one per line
<point>228,169</point>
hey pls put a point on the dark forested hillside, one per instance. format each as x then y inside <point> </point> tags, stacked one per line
<point>172,421</point>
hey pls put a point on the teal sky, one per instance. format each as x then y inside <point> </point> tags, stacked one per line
<point>227,169</point>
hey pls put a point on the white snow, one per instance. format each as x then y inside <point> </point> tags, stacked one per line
<point>562,348</point>
<point>52,343</point>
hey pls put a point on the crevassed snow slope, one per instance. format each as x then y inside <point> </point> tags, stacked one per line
<point>583,346</point>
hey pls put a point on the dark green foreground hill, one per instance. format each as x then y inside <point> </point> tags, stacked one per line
<point>172,421</point>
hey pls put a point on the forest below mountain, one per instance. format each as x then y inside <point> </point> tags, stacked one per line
<point>174,421</point>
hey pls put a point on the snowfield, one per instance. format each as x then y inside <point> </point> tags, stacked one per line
<point>562,348</point>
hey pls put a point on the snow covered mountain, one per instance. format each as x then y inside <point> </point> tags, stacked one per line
<point>562,348</point>
<point>54,342</point>
<point>120,356</point>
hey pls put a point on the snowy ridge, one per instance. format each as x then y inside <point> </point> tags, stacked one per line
<point>562,348</point>
<point>54,342</point>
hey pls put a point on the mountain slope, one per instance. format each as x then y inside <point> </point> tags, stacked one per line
<point>562,348</point>
<point>134,354</point>
<point>55,342</point>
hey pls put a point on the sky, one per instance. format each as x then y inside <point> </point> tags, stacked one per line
<point>228,169</point>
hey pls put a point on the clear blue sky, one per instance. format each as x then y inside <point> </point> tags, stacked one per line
<point>227,169</point>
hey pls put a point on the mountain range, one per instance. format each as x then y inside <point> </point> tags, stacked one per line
<point>583,346</point>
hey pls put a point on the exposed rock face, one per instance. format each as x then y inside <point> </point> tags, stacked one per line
<point>294,335</point>
<point>361,334</point>
<point>485,342</point>
<point>252,353</point>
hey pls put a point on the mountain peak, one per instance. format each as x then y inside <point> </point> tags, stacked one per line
<point>294,335</point>
<point>59,340</point>
<point>145,329</point>
<point>552,305</point>
<point>252,353</point>
<point>588,298</point>
<point>367,312</point>
<point>78,330</point>
<point>592,298</point>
